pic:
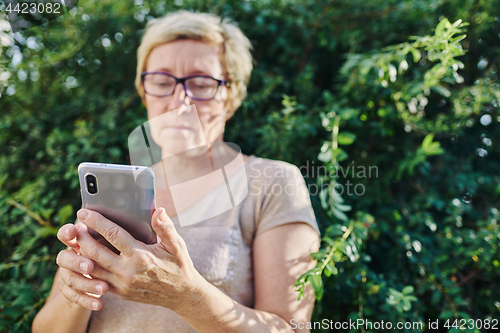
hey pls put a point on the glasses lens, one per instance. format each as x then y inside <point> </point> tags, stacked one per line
<point>159,84</point>
<point>202,87</point>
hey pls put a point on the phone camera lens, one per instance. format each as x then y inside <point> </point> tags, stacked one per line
<point>91,184</point>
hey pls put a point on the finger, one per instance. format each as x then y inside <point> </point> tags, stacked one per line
<point>81,298</point>
<point>68,259</point>
<point>95,251</point>
<point>67,235</point>
<point>78,282</point>
<point>95,271</point>
<point>102,274</point>
<point>165,229</point>
<point>113,233</point>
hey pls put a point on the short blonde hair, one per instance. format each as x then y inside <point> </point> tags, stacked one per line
<point>236,60</point>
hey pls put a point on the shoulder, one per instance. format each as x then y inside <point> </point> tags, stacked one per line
<point>276,180</point>
<point>271,170</point>
<point>281,193</point>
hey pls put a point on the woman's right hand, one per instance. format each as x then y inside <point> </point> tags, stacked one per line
<point>74,285</point>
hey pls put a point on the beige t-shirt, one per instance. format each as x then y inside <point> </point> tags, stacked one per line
<point>221,247</point>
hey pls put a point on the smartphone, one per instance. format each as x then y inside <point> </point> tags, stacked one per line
<point>124,194</point>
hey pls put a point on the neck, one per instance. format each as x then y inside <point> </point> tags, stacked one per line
<point>192,161</point>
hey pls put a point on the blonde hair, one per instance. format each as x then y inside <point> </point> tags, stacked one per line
<point>236,59</point>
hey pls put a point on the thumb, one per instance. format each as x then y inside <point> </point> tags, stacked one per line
<point>167,236</point>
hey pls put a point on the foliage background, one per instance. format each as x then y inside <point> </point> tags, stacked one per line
<point>422,241</point>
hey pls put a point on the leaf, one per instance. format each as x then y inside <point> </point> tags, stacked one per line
<point>332,269</point>
<point>11,312</point>
<point>408,290</point>
<point>416,54</point>
<point>441,90</point>
<point>301,279</point>
<point>456,23</point>
<point>337,255</point>
<point>440,28</point>
<point>317,255</point>
<point>429,147</point>
<point>3,179</point>
<point>346,138</point>
<point>341,207</point>
<point>338,214</point>
<point>392,72</point>
<point>365,65</point>
<point>339,154</point>
<point>327,240</point>
<point>436,297</point>
<point>427,140</point>
<point>335,230</point>
<point>446,315</point>
<point>11,231</point>
<point>346,114</point>
<point>434,149</point>
<point>406,304</point>
<point>45,231</point>
<point>323,196</point>
<point>397,295</point>
<point>64,213</point>
<point>464,315</point>
<point>325,156</point>
<point>30,268</point>
<point>46,213</point>
<point>317,284</point>
<point>25,296</point>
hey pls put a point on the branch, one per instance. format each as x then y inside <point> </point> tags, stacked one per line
<point>332,249</point>
<point>467,277</point>
<point>32,214</point>
<point>441,290</point>
<point>312,36</point>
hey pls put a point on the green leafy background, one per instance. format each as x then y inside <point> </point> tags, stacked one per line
<point>409,88</point>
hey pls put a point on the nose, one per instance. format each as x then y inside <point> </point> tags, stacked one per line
<point>179,96</point>
<point>180,100</point>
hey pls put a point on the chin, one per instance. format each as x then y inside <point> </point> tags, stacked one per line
<point>170,146</point>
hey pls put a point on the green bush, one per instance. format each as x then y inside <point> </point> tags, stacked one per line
<point>340,85</point>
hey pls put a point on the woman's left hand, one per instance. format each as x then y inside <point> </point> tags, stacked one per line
<point>159,274</point>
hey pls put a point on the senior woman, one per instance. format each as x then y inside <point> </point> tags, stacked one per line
<point>233,272</point>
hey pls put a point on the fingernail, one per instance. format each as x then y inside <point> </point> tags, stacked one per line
<point>94,305</point>
<point>82,214</point>
<point>98,288</point>
<point>84,266</point>
<point>163,216</point>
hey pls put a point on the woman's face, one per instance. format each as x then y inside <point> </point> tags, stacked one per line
<point>177,122</point>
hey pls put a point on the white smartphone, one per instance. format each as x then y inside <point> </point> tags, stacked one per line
<point>124,194</point>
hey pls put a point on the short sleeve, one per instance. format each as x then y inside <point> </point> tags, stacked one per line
<point>285,198</point>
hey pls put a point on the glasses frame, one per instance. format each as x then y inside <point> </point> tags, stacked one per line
<point>183,82</point>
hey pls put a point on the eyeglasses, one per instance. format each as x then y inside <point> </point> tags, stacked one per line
<point>197,87</point>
